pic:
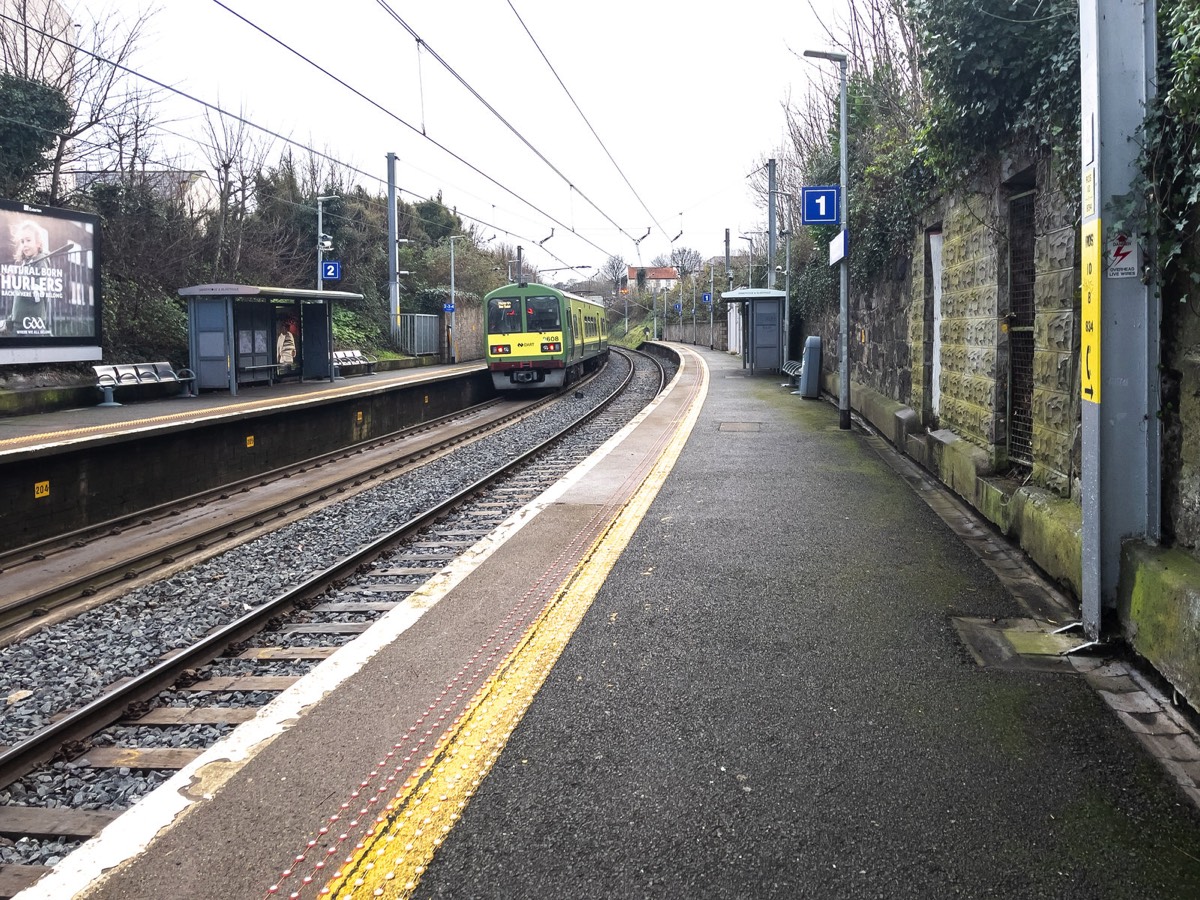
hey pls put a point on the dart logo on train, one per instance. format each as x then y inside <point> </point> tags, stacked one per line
<point>541,337</point>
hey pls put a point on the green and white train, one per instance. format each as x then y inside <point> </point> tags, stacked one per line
<point>541,337</point>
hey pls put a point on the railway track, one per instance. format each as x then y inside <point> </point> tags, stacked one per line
<point>61,573</point>
<point>68,777</point>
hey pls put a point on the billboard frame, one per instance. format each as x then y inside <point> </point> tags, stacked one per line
<point>73,285</point>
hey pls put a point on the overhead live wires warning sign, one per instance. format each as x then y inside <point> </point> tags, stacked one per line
<point>1091,262</point>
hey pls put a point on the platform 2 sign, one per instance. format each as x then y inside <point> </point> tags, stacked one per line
<point>1091,269</point>
<point>49,283</point>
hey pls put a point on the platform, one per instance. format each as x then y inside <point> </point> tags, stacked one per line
<point>743,680</point>
<point>68,470</point>
<point>88,422</point>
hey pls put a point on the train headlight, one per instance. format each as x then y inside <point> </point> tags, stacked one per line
<point>501,349</point>
<point>551,347</point>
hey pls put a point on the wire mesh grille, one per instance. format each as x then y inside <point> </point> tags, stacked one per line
<point>1020,382</point>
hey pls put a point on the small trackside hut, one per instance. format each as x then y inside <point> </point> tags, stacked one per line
<point>246,334</point>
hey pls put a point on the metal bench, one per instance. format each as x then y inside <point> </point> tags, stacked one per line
<point>272,370</point>
<point>355,360</point>
<point>110,378</point>
<point>792,369</point>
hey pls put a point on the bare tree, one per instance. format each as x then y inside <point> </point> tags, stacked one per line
<point>35,40</point>
<point>236,155</point>
<point>686,261</point>
<point>85,62</point>
<point>615,271</point>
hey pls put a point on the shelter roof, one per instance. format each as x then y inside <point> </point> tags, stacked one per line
<point>265,293</point>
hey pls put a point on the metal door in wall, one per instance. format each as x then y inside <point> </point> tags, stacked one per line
<point>1021,272</point>
<point>765,317</point>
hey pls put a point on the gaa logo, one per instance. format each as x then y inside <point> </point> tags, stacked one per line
<point>33,323</point>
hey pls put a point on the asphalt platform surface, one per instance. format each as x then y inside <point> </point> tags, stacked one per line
<point>767,698</point>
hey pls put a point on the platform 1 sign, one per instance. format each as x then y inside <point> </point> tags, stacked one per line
<point>819,205</point>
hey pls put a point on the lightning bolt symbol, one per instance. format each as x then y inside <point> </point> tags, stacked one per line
<point>1120,252</point>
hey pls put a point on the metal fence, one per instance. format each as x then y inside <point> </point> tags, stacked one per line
<point>419,334</point>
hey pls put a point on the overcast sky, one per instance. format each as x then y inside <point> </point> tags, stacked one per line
<point>687,99</point>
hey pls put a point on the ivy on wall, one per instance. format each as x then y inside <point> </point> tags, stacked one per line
<point>997,75</point>
<point>995,78</point>
<point>1170,157</point>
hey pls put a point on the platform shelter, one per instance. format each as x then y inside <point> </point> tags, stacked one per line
<point>763,339</point>
<point>243,334</point>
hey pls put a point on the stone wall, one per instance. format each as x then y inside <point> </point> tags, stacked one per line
<point>879,346</point>
<point>891,327</point>
<point>1056,414</point>
<point>971,264</point>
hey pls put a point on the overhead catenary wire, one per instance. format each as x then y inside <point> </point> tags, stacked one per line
<point>409,125</point>
<point>422,43</point>
<point>287,140</point>
<point>566,91</point>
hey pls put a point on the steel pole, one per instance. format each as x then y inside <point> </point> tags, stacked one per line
<point>453,305</point>
<point>320,246</point>
<point>393,250</point>
<point>844,317</point>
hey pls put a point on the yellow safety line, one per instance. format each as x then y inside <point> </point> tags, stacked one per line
<point>394,853</point>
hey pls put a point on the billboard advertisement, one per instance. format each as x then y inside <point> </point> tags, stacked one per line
<point>49,284</point>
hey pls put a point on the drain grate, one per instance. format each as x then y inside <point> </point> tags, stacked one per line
<point>1023,644</point>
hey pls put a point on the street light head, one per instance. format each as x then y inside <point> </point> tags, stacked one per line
<point>825,54</point>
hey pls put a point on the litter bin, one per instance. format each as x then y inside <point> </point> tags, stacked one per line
<point>810,369</point>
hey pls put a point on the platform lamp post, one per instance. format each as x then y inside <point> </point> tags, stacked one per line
<point>787,275</point>
<point>394,274</point>
<point>750,265</point>
<point>324,242</point>
<point>712,301</point>
<point>844,317</point>
<point>786,234</point>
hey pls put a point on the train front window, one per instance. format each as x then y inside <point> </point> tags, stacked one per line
<point>541,313</point>
<point>504,315</point>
